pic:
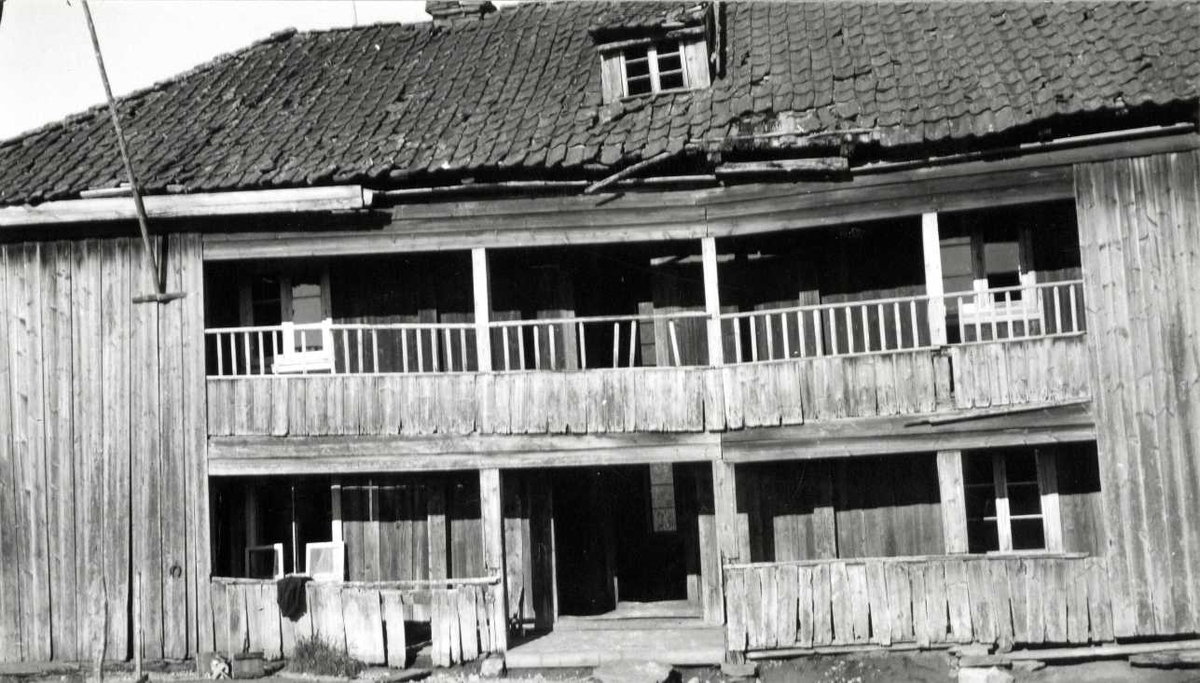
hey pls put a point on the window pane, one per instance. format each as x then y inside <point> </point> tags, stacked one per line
<point>666,48</point>
<point>982,537</point>
<point>1027,534</point>
<point>1023,499</point>
<point>639,86</point>
<point>1021,466</point>
<point>635,68</point>
<point>977,469</point>
<point>981,502</point>
<point>669,63</point>
<point>669,81</point>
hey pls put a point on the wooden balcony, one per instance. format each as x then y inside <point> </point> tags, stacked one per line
<point>869,361</point>
<point>922,601</point>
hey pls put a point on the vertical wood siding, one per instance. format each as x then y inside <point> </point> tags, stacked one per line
<point>653,399</point>
<point>102,451</point>
<point>1139,230</point>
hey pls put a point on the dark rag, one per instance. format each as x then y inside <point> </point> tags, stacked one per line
<point>291,596</point>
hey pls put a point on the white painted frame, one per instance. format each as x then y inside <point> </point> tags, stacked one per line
<point>276,551</point>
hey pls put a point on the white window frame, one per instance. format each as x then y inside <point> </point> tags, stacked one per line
<point>288,360</point>
<point>652,63</point>
<point>1047,481</point>
<point>337,548</point>
<point>986,307</point>
<point>276,552</point>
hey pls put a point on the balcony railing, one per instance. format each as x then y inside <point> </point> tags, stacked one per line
<point>335,348</point>
<point>903,323</point>
<point>675,339</point>
<point>562,343</point>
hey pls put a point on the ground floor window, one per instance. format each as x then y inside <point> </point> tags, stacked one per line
<point>1011,500</point>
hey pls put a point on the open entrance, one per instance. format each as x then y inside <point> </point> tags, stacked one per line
<point>626,541</point>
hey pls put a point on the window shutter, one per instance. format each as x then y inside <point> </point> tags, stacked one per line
<point>611,78</point>
<point>695,60</point>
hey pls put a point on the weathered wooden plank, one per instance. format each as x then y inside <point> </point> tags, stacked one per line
<point>958,601</point>
<point>263,619</point>
<point>804,604</point>
<point>116,324</point>
<point>55,266</point>
<point>937,612</point>
<point>1099,603</point>
<point>860,604</point>
<point>468,622</point>
<point>145,454</point>
<point>437,531</point>
<point>1000,601</point>
<point>786,585</point>
<point>736,636</point>
<point>754,608</point>
<point>195,443</point>
<point>1077,601</point>
<point>10,529</point>
<point>492,527</point>
<point>822,606</point>
<point>842,604</point>
<point>920,614</point>
<point>174,469</point>
<point>1054,600</point>
<point>900,603</point>
<point>1018,600</point>
<point>392,609</point>
<point>237,624</point>
<point>325,606</point>
<point>983,619</point>
<point>363,623</point>
<point>1035,624</point>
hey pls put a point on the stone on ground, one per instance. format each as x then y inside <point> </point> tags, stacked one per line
<point>492,667</point>
<point>989,675</point>
<point>742,670</point>
<point>632,672</point>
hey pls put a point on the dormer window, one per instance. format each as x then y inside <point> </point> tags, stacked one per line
<point>653,68</point>
<point>634,68</point>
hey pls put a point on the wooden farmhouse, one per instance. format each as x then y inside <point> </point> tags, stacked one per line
<point>575,330</point>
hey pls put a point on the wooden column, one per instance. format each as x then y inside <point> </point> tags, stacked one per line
<point>492,524</point>
<point>725,511</point>
<point>483,308</point>
<point>712,301</point>
<point>931,242</point>
<point>1047,474</point>
<point>954,507</point>
<point>335,511</point>
<point>435,525</point>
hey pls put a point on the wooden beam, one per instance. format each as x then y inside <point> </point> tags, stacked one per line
<point>818,165</point>
<point>1047,474</point>
<point>712,301</point>
<point>953,497</point>
<point>483,308</point>
<point>725,509</point>
<point>265,455</point>
<point>934,285</point>
<point>492,523</point>
<point>245,203</point>
<point>899,434</point>
<point>335,511</point>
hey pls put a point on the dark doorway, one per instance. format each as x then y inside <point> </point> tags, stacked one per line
<point>620,537</point>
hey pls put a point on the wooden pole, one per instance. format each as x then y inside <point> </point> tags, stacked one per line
<point>952,493</point>
<point>150,258</point>
<point>932,247</point>
<point>712,301</point>
<point>492,523</point>
<point>483,308</point>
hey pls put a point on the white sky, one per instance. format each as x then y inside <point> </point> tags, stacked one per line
<point>47,69</point>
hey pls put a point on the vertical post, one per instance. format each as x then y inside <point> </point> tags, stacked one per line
<point>712,301</point>
<point>953,496</point>
<point>932,245</point>
<point>725,507</point>
<point>335,510</point>
<point>492,523</point>
<point>483,308</point>
<point>1047,475</point>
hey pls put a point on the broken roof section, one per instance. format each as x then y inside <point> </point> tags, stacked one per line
<point>517,93</point>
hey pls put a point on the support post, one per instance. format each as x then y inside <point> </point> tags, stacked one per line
<point>953,496</point>
<point>725,507</point>
<point>1047,475</point>
<point>712,301</point>
<point>492,523</point>
<point>934,288</point>
<point>335,509</point>
<point>483,308</point>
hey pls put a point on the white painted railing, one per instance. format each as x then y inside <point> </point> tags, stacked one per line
<point>902,323</point>
<point>331,348</point>
<point>616,341</point>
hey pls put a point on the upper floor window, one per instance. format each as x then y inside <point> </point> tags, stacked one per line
<point>1011,500</point>
<point>645,67</point>
<point>653,68</point>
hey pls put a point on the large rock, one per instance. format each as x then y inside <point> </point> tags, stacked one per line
<point>632,672</point>
<point>492,667</point>
<point>979,675</point>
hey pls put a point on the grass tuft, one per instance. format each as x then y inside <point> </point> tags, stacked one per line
<point>315,656</point>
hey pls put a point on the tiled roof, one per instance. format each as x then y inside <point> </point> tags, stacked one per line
<point>518,93</point>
